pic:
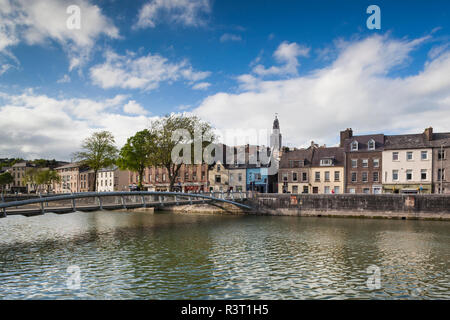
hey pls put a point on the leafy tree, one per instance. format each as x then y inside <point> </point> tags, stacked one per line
<point>138,153</point>
<point>31,177</point>
<point>47,178</point>
<point>99,151</point>
<point>163,129</point>
<point>6,178</point>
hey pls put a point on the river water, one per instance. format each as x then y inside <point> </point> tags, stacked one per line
<point>120,255</point>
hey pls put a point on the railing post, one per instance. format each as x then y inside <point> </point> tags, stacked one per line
<point>74,206</point>
<point>240,194</point>
<point>4,215</point>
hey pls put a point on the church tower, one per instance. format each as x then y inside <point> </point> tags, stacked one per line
<point>275,137</point>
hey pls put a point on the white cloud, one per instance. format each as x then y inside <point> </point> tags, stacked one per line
<point>230,37</point>
<point>287,54</point>
<point>201,86</point>
<point>33,125</point>
<point>144,72</point>
<point>133,107</point>
<point>186,12</point>
<point>64,79</point>
<point>43,21</point>
<point>354,90</point>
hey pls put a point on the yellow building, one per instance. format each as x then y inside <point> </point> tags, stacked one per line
<point>327,170</point>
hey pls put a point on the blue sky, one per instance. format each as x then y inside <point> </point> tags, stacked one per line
<point>234,63</point>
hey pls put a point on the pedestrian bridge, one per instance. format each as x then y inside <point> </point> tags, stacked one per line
<point>92,201</point>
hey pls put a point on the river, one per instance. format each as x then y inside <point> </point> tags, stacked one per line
<point>123,255</point>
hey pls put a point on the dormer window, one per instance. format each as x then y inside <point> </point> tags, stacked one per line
<point>371,144</point>
<point>354,146</point>
<point>326,162</point>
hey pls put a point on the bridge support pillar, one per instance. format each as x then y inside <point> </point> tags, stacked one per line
<point>123,202</point>
<point>100,203</point>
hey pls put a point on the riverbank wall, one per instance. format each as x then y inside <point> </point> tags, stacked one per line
<point>388,206</point>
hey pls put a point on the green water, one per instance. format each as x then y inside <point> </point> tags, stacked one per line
<point>123,255</point>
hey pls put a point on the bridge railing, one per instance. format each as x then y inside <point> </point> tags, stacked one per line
<point>122,198</point>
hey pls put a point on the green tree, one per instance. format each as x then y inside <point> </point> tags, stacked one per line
<point>47,178</point>
<point>137,154</point>
<point>163,129</point>
<point>31,177</point>
<point>5,179</point>
<point>99,151</point>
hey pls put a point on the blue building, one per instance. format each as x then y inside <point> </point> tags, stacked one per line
<point>257,179</point>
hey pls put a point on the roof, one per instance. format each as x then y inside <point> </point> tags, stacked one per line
<point>363,142</point>
<point>70,165</point>
<point>22,164</point>
<point>111,168</point>
<point>441,139</point>
<point>407,141</point>
<point>337,153</point>
<point>299,154</point>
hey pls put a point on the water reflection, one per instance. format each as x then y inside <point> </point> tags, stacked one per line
<point>168,256</point>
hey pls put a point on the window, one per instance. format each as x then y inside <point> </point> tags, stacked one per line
<point>305,189</point>
<point>294,176</point>
<point>376,163</point>
<point>441,154</point>
<point>285,176</point>
<point>366,190</point>
<point>218,178</point>
<point>424,155</point>
<point>337,176</point>
<point>354,146</point>
<point>317,176</point>
<point>186,176</point>
<point>365,163</point>
<point>408,175</point>
<point>354,176</point>
<point>337,190</point>
<point>326,162</point>
<point>371,144</point>
<point>240,177</point>
<point>364,176</point>
<point>395,175</point>
<point>376,176</point>
<point>295,189</point>
<point>304,176</point>
<point>354,163</point>
<point>326,190</point>
<point>394,156</point>
<point>423,174</point>
<point>352,190</point>
<point>164,177</point>
<point>441,174</point>
<point>376,190</point>
<point>258,176</point>
<point>194,176</point>
<point>327,175</point>
<point>149,178</point>
<point>409,156</point>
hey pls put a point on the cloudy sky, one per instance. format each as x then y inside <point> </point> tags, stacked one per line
<point>234,63</point>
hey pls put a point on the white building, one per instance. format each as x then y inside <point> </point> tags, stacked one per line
<point>112,179</point>
<point>407,164</point>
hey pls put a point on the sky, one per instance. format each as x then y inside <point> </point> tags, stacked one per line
<point>233,63</point>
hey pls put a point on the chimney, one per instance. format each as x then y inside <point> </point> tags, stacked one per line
<point>346,134</point>
<point>428,133</point>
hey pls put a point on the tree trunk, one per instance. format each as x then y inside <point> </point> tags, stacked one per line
<point>141,176</point>
<point>95,180</point>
